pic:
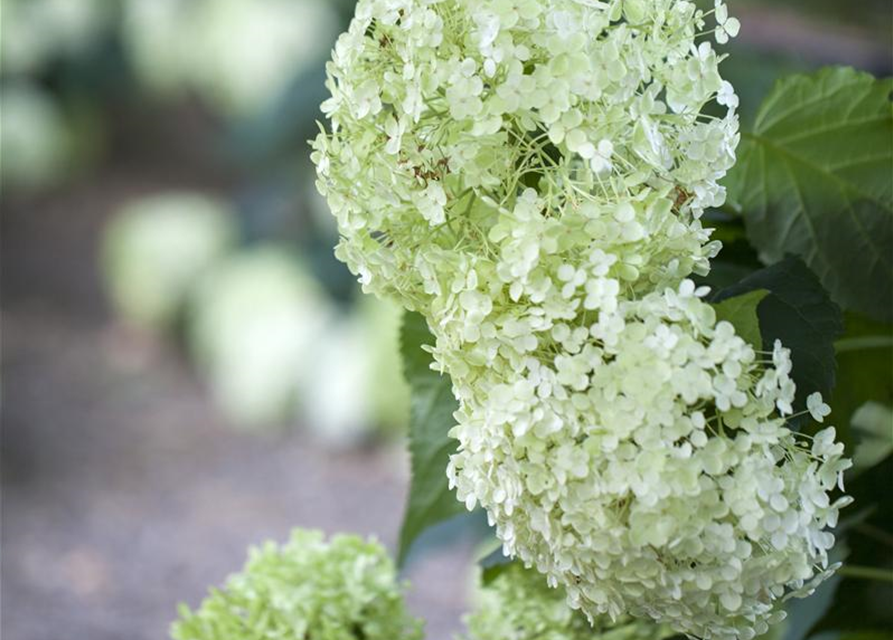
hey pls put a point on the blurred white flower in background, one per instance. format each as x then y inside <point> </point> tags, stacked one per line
<point>34,137</point>
<point>276,350</point>
<point>387,387</point>
<point>252,49</point>
<point>156,248</point>
<point>271,343</point>
<point>239,55</point>
<point>34,31</point>
<point>253,327</point>
<point>153,32</point>
<point>335,398</point>
<point>355,381</point>
<point>873,423</point>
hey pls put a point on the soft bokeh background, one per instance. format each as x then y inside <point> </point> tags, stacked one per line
<point>186,369</point>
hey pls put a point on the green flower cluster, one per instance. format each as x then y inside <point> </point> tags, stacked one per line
<point>519,605</point>
<point>306,589</point>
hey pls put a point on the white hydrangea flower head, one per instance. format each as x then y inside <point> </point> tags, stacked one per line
<point>505,135</point>
<point>650,472</point>
<point>530,176</point>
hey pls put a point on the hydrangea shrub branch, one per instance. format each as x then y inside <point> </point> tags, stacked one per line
<point>531,177</point>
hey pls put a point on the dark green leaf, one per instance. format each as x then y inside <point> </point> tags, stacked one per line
<point>814,179</point>
<point>741,311</point>
<point>430,499</point>
<point>798,312</point>
<point>865,368</point>
<point>493,564</point>
<point>753,73</point>
<point>737,259</point>
<point>723,274</point>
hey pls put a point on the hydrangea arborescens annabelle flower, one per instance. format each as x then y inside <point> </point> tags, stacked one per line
<point>647,469</point>
<point>530,176</point>
<point>342,589</point>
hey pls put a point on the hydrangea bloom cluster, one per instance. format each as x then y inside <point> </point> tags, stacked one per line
<point>530,176</point>
<point>307,588</point>
<point>478,147</point>
<point>649,470</point>
<point>519,605</point>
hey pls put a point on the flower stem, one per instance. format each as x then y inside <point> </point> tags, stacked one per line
<point>866,573</point>
<point>870,531</point>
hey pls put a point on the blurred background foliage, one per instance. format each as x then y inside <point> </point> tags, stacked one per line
<point>226,260</point>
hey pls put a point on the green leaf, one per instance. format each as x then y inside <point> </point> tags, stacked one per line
<point>737,259</point>
<point>741,311</point>
<point>430,499</point>
<point>493,564</point>
<point>865,367</point>
<point>813,179</point>
<point>798,312</point>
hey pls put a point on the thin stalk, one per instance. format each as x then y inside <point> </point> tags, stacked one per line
<point>866,573</point>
